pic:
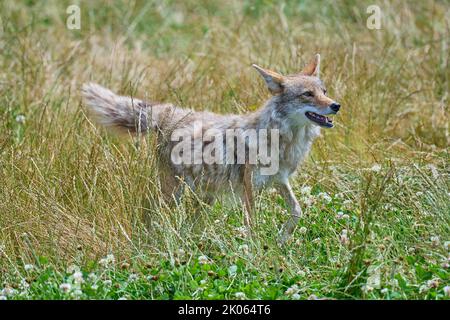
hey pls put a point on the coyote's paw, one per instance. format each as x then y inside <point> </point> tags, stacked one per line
<point>283,237</point>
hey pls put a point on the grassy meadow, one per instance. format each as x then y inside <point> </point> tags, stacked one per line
<point>81,214</point>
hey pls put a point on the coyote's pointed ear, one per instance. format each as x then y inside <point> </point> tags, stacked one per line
<point>274,80</point>
<point>312,68</point>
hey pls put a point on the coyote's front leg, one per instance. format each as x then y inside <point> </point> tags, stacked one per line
<point>296,212</point>
<point>248,198</point>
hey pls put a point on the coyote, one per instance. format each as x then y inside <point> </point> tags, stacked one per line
<point>296,110</point>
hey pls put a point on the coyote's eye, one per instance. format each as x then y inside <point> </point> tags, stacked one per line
<point>308,94</point>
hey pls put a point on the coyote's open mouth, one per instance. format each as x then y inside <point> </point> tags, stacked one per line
<point>322,121</point>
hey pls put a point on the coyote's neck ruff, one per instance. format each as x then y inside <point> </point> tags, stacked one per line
<point>216,152</point>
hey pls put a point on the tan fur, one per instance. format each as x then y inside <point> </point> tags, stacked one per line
<point>284,111</point>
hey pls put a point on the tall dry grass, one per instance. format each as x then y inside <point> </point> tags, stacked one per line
<point>70,191</point>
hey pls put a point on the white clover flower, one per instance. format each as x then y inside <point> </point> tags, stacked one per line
<point>435,241</point>
<point>94,287</point>
<point>240,295</point>
<point>244,249</point>
<point>133,277</point>
<point>447,291</point>
<point>423,288</point>
<point>24,285</point>
<point>296,296</point>
<point>433,283</point>
<point>325,197</point>
<point>447,245</point>
<point>20,118</point>
<point>291,290</point>
<point>305,190</point>
<point>376,168</point>
<point>384,290</point>
<point>341,215</point>
<point>203,260</point>
<point>203,282</point>
<point>92,277</point>
<point>108,260</point>
<point>3,298</point>
<point>313,297</point>
<point>107,282</point>
<point>28,267</point>
<point>419,193</point>
<point>8,292</point>
<point>307,201</point>
<point>77,293</point>
<point>65,287</point>
<point>232,270</point>
<point>303,230</point>
<point>78,277</point>
<point>122,298</point>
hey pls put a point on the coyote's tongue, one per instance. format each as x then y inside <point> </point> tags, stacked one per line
<point>323,121</point>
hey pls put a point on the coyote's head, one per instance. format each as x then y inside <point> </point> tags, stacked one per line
<point>301,97</point>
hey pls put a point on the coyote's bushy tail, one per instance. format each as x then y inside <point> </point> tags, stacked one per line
<point>114,111</point>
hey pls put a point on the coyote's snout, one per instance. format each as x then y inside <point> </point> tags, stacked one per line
<point>230,151</point>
